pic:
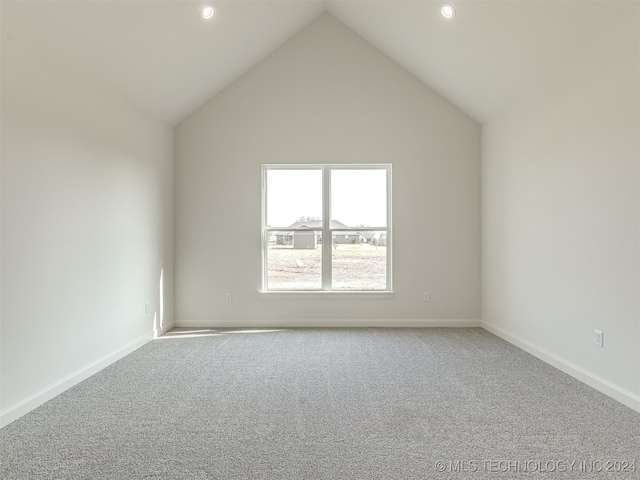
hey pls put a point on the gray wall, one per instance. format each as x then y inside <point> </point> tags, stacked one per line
<point>560,217</point>
<point>87,222</point>
<point>327,96</point>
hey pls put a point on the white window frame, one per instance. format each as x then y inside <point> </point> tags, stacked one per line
<point>327,233</point>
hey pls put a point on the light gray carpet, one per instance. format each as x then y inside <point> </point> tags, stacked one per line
<point>325,404</point>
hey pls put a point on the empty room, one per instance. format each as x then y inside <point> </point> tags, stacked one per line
<point>319,239</point>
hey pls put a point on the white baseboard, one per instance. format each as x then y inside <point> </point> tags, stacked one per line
<point>18,410</point>
<point>610,389</point>
<point>327,323</point>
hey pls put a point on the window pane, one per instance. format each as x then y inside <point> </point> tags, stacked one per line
<point>359,197</point>
<point>293,196</point>
<point>359,260</point>
<point>294,261</point>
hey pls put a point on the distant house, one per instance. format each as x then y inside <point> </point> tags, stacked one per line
<point>367,237</point>
<point>298,239</point>
<point>310,239</point>
<point>345,238</point>
<point>354,238</point>
<point>283,238</point>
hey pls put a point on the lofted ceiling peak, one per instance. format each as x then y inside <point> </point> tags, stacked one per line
<point>166,58</point>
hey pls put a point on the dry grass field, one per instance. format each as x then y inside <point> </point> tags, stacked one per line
<point>355,267</point>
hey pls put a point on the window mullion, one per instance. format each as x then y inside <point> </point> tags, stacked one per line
<point>326,229</point>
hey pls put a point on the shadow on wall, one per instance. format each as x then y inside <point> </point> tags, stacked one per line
<point>158,323</point>
<point>158,317</point>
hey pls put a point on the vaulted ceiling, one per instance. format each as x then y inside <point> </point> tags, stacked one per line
<point>170,61</point>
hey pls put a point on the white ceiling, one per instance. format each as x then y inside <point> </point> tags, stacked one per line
<point>162,55</point>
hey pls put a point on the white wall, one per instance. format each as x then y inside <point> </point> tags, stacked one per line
<point>87,213</point>
<point>327,96</point>
<point>560,217</point>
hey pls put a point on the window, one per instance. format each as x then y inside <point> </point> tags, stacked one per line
<point>304,204</point>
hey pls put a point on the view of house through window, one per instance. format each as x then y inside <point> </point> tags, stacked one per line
<point>326,227</point>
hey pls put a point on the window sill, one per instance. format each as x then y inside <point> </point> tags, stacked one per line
<point>325,295</point>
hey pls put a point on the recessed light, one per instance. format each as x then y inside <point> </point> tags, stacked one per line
<point>447,11</point>
<point>207,12</point>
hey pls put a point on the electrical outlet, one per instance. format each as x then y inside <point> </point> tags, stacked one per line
<point>228,297</point>
<point>426,297</point>
<point>597,338</point>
